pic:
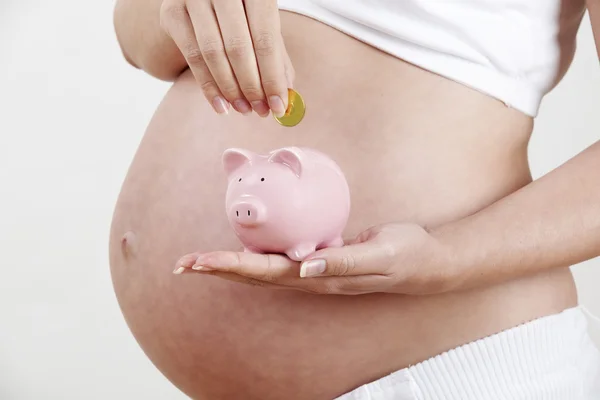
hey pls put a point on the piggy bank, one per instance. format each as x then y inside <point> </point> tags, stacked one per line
<point>291,201</point>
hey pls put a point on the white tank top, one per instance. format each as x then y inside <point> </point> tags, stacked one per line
<point>507,49</point>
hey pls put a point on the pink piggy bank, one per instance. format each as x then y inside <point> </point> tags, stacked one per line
<point>291,201</point>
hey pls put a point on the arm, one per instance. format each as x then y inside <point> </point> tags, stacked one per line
<point>144,43</point>
<point>552,222</point>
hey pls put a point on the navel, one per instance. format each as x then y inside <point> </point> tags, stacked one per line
<point>128,244</point>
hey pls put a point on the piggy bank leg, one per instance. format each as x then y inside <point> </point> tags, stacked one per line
<point>300,252</point>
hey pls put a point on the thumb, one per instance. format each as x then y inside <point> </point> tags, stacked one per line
<point>366,258</point>
<point>290,73</point>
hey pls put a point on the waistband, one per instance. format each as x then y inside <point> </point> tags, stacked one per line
<point>552,357</point>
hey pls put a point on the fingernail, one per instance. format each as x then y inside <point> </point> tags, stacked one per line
<point>242,106</point>
<point>220,105</point>
<point>260,107</point>
<point>312,268</point>
<point>179,271</point>
<point>201,268</point>
<point>277,106</point>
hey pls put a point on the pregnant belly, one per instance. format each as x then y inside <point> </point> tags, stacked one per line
<point>414,147</point>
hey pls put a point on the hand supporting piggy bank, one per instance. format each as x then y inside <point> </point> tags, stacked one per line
<point>291,201</point>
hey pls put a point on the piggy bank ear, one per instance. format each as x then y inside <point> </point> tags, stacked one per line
<point>235,158</point>
<point>291,157</point>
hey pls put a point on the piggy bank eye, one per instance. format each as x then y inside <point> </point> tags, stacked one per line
<point>239,180</point>
<point>262,179</point>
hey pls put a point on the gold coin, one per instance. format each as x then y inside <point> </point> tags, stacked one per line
<point>295,110</point>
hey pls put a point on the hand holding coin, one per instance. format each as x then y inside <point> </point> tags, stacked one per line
<point>235,50</point>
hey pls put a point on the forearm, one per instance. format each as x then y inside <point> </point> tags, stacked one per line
<point>143,42</point>
<point>552,222</point>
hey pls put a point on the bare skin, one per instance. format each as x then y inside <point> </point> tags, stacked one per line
<point>415,147</point>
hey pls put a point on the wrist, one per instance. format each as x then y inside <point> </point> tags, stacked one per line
<point>454,257</point>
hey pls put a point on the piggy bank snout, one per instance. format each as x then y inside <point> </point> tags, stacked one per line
<point>249,212</point>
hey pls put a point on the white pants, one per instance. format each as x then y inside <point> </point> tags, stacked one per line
<point>551,358</point>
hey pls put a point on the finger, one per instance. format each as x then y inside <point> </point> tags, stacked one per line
<point>176,22</point>
<point>234,24</point>
<point>265,267</point>
<point>294,283</point>
<point>364,258</point>
<point>353,285</point>
<point>265,27</point>
<point>365,236</point>
<point>213,54</point>
<point>244,280</point>
<point>346,285</point>
<point>185,262</point>
<point>290,73</point>
<point>240,52</point>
